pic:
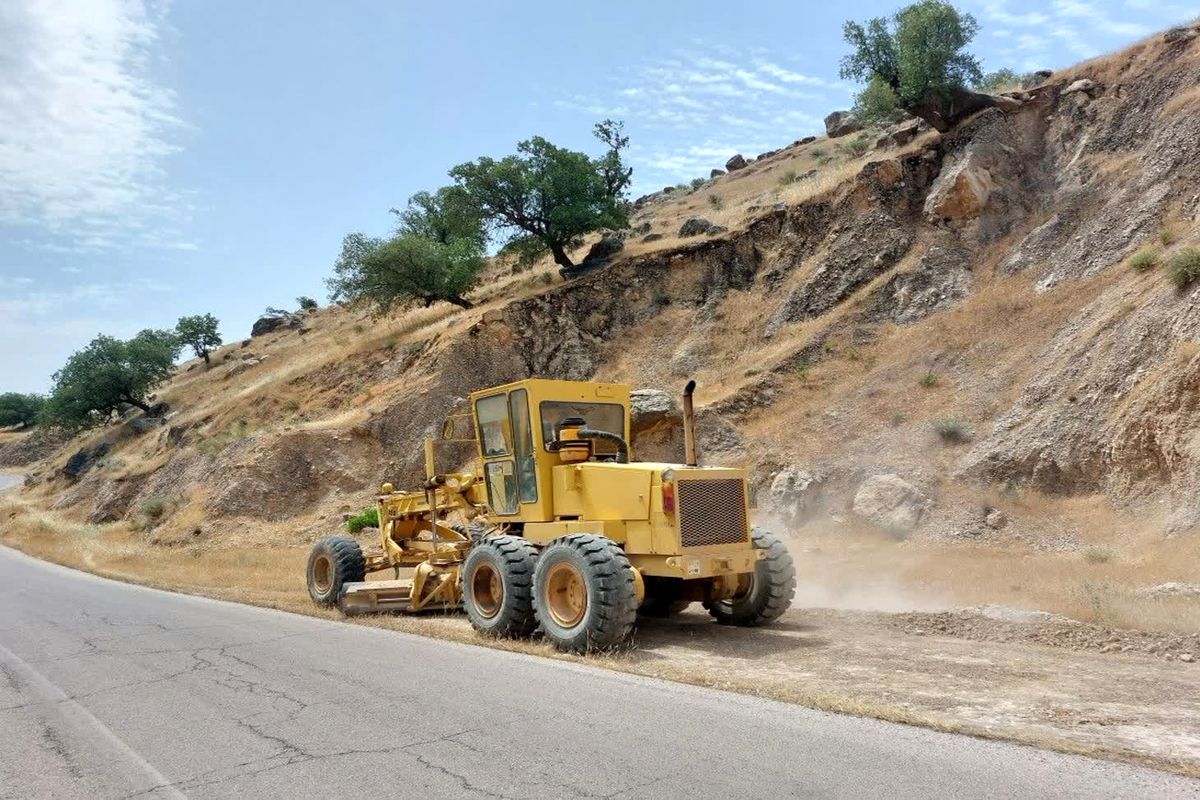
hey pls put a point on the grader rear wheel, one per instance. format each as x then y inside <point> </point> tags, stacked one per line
<point>497,581</point>
<point>333,562</point>
<point>584,593</point>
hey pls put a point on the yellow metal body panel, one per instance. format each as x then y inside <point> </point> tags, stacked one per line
<point>602,491</point>
<point>546,532</point>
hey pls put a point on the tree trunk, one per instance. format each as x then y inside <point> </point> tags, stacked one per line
<point>943,112</point>
<point>459,301</point>
<point>560,256</point>
<point>207,360</point>
<point>145,408</point>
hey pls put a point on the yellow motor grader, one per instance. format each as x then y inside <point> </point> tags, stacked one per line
<point>557,530</point>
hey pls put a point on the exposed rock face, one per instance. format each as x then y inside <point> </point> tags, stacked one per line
<point>735,163</point>
<point>841,123</point>
<point>890,502</point>
<point>1182,33</point>
<point>715,173</point>
<point>29,449</point>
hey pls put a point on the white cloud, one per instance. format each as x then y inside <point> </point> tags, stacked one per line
<point>691,110</point>
<point>84,129</point>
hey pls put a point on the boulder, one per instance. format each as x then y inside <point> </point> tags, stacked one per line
<point>806,140</point>
<point>716,173</point>
<point>649,408</point>
<point>84,459</point>
<point>735,163</point>
<point>274,321</point>
<point>1085,85</point>
<point>959,193</point>
<point>695,226</point>
<point>794,493</point>
<point>890,502</point>
<point>841,123</point>
<point>652,237</point>
<point>608,246</point>
<point>656,428</point>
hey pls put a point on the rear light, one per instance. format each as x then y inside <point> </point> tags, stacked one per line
<point>668,498</point>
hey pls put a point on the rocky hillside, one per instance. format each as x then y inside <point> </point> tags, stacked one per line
<point>916,338</point>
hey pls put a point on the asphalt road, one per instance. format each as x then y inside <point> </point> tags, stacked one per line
<point>112,690</point>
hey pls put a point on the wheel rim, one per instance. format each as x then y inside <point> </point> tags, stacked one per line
<point>487,590</point>
<point>566,594</point>
<point>744,591</point>
<point>322,574</point>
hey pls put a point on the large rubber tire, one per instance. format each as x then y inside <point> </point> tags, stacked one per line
<point>607,607</point>
<point>497,581</point>
<point>771,589</point>
<point>333,562</point>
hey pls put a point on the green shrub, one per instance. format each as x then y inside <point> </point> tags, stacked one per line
<point>1184,267</point>
<point>857,146</point>
<point>1167,236</point>
<point>789,177</point>
<point>951,430</point>
<point>153,507</point>
<point>306,303</point>
<point>716,202</point>
<point>369,518</point>
<point>1144,261</point>
<point>698,182</point>
<point>929,380</point>
<point>1097,555</point>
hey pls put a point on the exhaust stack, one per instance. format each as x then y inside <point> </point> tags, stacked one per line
<point>689,425</point>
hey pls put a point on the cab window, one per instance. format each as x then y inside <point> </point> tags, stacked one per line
<point>518,404</point>
<point>600,417</point>
<point>495,435</point>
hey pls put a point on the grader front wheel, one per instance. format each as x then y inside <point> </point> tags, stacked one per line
<point>767,593</point>
<point>497,582</point>
<point>333,562</point>
<point>583,593</point>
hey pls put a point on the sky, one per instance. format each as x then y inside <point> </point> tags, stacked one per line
<point>207,156</point>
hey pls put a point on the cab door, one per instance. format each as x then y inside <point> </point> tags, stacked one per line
<point>506,446</point>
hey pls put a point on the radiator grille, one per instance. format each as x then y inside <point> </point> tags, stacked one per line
<point>711,511</point>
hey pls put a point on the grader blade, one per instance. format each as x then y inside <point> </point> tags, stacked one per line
<point>368,597</point>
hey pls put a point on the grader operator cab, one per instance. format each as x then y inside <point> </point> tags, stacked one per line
<point>558,530</point>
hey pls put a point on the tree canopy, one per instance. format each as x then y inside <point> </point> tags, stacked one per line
<point>407,267</point>
<point>877,104</point>
<point>998,80</point>
<point>546,197</point>
<point>110,373</point>
<point>20,410</point>
<point>447,215</point>
<point>920,55</point>
<point>199,333</point>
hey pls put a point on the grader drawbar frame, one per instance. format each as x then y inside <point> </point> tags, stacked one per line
<point>414,535</point>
